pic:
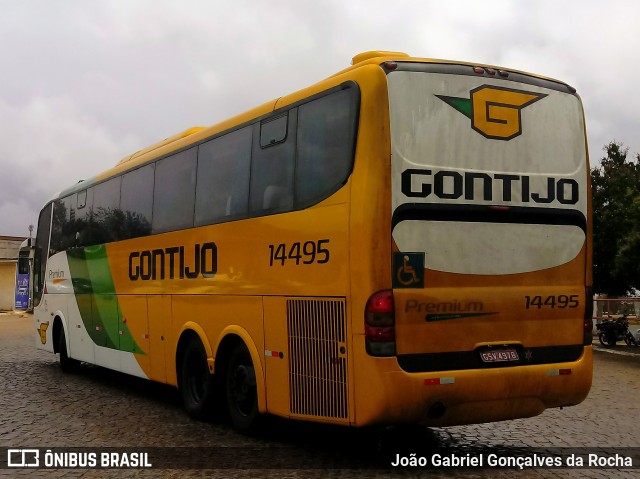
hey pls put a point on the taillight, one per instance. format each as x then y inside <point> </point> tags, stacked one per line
<point>379,324</point>
<point>588,317</point>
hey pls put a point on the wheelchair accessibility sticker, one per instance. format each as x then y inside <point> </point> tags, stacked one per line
<point>408,270</point>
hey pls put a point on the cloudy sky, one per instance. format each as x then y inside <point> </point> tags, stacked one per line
<point>85,83</point>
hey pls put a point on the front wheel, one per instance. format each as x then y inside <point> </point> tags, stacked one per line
<point>242,393</point>
<point>196,383</point>
<point>67,364</point>
<point>607,339</point>
<point>630,339</point>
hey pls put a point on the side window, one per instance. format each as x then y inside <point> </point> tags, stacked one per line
<point>86,225</point>
<point>60,218</point>
<point>272,165</point>
<point>222,193</point>
<point>174,192</point>
<point>106,214</point>
<point>63,230</point>
<point>325,145</point>
<point>41,253</point>
<point>82,199</point>
<point>136,202</point>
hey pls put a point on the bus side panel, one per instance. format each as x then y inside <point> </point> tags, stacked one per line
<point>276,356</point>
<point>160,361</point>
<point>105,319</point>
<point>80,343</point>
<point>134,338</point>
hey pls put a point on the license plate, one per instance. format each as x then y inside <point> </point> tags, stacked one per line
<point>499,355</point>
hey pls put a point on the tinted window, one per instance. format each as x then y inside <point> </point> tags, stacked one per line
<point>86,225</point>
<point>174,192</point>
<point>63,227</point>
<point>136,201</point>
<point>223,178</point>
<point>59,214</point>
<point>80,214</point>
<point>272,174</point>
<point>41,253</point>
<point>82,199</point>
<point>326,142</point>
<point>106,215</point>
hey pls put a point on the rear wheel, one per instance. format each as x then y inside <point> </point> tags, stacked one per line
<point>607,339</point>
<point>242,393</point>
<point>67,364</point>
<point>196,383</point>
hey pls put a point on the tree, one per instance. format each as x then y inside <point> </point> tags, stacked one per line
<point>615,185</point>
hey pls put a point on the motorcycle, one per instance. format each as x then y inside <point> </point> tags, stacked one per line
<point>613,330</point>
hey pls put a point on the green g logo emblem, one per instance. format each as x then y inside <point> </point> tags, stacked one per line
<point>494,111</point>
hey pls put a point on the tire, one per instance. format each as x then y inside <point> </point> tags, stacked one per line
<point>196,383</point>
<point>607,340</point>
<point>630,339</point>
<point>241,391</point>
<point>67,364</point>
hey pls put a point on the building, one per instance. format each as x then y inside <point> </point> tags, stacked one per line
<point>9,248</point>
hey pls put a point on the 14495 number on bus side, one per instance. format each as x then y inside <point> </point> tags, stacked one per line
<point>308,252</point>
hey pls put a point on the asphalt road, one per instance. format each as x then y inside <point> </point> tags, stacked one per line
<point>40,407</point>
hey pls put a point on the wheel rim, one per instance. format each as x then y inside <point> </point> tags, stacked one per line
<point>243,388</point>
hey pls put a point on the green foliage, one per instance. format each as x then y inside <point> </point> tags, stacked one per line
<point>615,185</point>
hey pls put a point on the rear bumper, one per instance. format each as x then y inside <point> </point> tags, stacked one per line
<point>387,394</point>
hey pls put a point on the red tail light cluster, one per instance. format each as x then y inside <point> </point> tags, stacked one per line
<point>379,324</point>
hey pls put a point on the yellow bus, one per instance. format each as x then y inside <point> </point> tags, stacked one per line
<point>407,240</point>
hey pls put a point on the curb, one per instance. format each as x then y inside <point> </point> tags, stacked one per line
<point>613,351</point>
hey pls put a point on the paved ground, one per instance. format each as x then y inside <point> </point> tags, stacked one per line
<point>42,407</point>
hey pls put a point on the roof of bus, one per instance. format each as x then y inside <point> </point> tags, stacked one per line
<point>199,133</point>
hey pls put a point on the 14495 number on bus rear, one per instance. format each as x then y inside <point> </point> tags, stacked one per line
<point>562,301</point>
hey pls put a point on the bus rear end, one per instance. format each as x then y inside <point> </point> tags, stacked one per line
<point>488,317</point>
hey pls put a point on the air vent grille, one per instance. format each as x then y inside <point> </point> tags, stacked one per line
<point>318,357</point>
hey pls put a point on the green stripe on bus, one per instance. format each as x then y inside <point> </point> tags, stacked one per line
<point>97,300</point>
